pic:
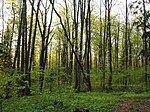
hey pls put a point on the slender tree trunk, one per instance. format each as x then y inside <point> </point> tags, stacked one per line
<point>48,35</point>
<point>88,22</point>
<point>137,43</point>
<point>59,58</point>
<point>17,52</point>
<point>42,53</point>
<point>76,69</point>
<point>69,75</point>
<point>34,35</point>
<point>3,21</point>
<point>82,4</point>
<point>12,34</point>
<point>145,47</point>
<point>29,45</point>
<point>109,47</point>
<point>24,39</point>
<point>71,52</point>
<point>104,48</point>
<point>126,44</point>
<point>130,47</point>
<point>100,42</point>
<point>24,62</point>
<point>116,48</point>
<point>126,38</point>
<point>25,36</point>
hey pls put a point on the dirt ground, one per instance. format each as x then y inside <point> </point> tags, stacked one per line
<point>133,105</point>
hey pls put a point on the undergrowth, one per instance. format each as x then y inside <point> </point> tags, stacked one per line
<point>61,102</point>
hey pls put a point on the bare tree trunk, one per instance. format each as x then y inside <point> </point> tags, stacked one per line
<point>2,40</point>
<point>34,35</point>
<point>29,45</point>
<point>145,47</point>
<point>137,43</point>
<point>17,52</point>
<point>100,40</point>
<point>116,48</point>
<point>130,51</point>
<point>69,74</point>
<point>24,60</point>
<point>109,47</point>
<point>82,4</point>
<point>47,36</point>
<point>58,60</point>
<point>42,53</point>
<point>126,38</point>
<point>76,68</point>
<point>71,54</point>
<point>13,26</point>
<point>88,22</point>
<point>104,48</point>
<point>24,39</point>
<point>126,44</point>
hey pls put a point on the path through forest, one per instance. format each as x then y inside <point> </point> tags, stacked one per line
<point>133,105</point>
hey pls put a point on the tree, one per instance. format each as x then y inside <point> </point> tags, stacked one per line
<point>66,35</point>
<point>88,47</point>
<point>109,46</point>
<point>100,39</point>
<point>145,44</point>
<point>104,47</point>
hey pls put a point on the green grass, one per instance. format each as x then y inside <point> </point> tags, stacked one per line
<point>64,102</point>
<point>67,101</point>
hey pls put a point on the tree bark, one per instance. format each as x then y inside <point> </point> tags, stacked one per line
<point>88,36</point>
<point>145,47</point>
<point>104,48</point>
<point>109,47</point>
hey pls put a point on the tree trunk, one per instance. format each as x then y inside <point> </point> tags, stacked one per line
<point>126,45</point>
<point>145,47</point>
<point>88,35</point>
<point>17,52</point>
<point>104,48</point>
<point>34,35</point>
<point>29,45</point>
<point>76,69</point>
<point>100,41</point>
<point>116,47</point>
<point>109,48</point>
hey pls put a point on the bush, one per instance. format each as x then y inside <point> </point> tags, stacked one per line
<point>137,89</point>
<point>9,84</point>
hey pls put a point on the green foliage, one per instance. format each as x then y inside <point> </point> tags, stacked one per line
<point>10,82</point>
<point>134,95</point>
<point>137,9</point>
<point>5,56</point>
<point>61,102</point>
<point>137,89</point>
<point>131,79</point>
<point>64,100</point>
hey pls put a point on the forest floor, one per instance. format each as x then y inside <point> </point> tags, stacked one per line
<point>133,105</point>
<point>69,101</point>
